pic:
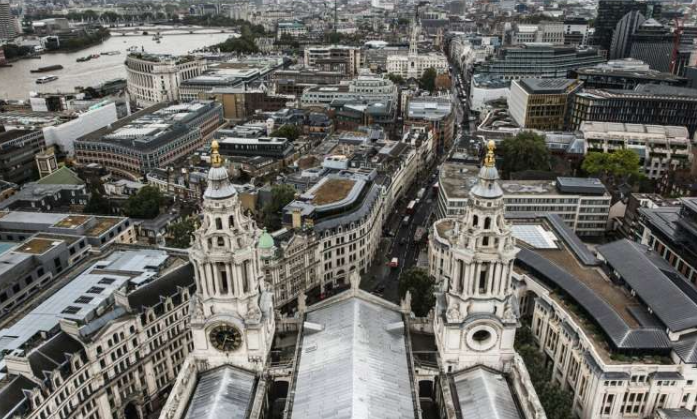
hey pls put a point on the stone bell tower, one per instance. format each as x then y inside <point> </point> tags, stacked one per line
<point>477,316</point>
<point>232,317</point>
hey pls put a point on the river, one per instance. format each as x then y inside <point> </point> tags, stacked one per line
<point>16,82</point>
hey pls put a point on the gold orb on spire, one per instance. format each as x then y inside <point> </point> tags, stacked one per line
<point>216,160</point>
<point>490,159</point>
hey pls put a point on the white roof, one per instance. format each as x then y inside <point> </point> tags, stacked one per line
<point>79,299</point>
<point>224,392</point>
<point>485,394</point>
<point>353,367</point>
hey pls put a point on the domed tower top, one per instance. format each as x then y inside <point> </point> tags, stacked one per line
<point>487,186</point>
<point>219,186</point>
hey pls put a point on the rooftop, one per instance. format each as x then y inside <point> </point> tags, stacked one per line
<point>458,178</point>
<point>333,190</point>
<point>353,363</point>
<point>591,129</point>
<point>547,86</point>
<point>80,298</point>
<point>72,221</point>
<point>37,246</point>
<point>485,394</point>
<point>224,392</point>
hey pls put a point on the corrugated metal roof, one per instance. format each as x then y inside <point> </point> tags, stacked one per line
<point>615,328</point>
<point>647,274</point>
<point>485,394</point>
<point>224,392</point>
<point>676,414</point>
<point>354,367</point>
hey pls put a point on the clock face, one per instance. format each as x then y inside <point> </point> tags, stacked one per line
<point>225,338</point>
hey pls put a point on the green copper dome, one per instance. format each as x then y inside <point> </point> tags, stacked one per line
<point>265,241</point>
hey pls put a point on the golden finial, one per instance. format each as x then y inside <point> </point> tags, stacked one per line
<point>216,160</point>
<point>490,159</point>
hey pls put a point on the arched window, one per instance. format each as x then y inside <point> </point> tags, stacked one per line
<point>221,242</point>
<point>487,223</point>
<point>461,269</point>
<point>218,223</point>
<point>231,221</point>
<point>482,279</point>
<point>475,221</point>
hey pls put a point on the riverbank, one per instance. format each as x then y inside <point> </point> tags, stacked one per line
<point>96,71</point>
<point>79,43</point>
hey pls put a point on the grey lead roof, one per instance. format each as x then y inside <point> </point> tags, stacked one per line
<point>224,392</point>
<point>354,367</point>
<point>676,414</point>
<point>484,394</point>
<point>647,274</point>
<point>617,330</point>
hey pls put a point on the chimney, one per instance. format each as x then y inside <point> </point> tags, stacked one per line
<point>297,218</point>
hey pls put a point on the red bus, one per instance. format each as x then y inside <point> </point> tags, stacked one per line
<point>411,207</point>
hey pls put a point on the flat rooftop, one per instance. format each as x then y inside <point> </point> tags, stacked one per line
<point>332,190</point>
<point>72,221</point>
<point>612,130</point>
<point>458,178</point>
<point>37,246</point>
<point>102,225</point>
<point>547,86</point>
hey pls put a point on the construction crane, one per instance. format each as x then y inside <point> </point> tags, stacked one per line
<point>677,35</point>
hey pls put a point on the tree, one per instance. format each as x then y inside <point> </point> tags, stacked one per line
<point>281,195</point>
<point>417,282</point>
<point>288,131</point>
<point>428,79</point>
<point>110,17</point>
<point>179,234</point>
<point>525,151</point>
<point>395,78</point>
<point>145,204</point>
<point>616,167</point>
<point>98,205</point>
<point>557,403</point>
<point>14,51</point>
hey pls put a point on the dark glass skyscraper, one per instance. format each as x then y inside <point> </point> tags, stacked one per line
<point>611,11</point>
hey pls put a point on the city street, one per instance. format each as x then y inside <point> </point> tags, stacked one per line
<point>398,237</point>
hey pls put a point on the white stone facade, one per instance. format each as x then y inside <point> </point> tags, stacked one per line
<point>154,79</point>
<point>230,291</point>
<point>471,258</point>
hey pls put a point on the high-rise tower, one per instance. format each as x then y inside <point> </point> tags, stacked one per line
<point>476,313</point>
<point>233,318</point>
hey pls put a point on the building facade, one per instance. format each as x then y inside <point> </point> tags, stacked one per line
<point>541,104</point>
<point>472,258</point>
<point>17,151</point>
<point>153,138</point>
<point>152,79</point>
<point>336,58</point>
<point>583,204</point>
<point>661,148</point>
<point>646,104</point>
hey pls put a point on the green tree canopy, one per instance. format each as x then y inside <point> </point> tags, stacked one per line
<point>616,166</point>
<point>556,402</point>
<point>281,195</point>
<point>417,282</point>
<point>395,78</point>
<point>179,234</point>
<point>145,204</point>
<point>428,79</point>
<point>525,151</point>
<point>110,16</point>
<point>291,132</point>
<point>98,205</point>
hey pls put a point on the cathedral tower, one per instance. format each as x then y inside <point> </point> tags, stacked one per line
<point>476,312</point>
<point>233,317</point>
